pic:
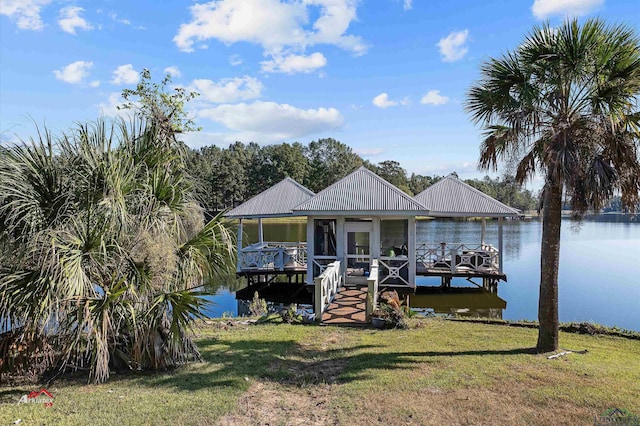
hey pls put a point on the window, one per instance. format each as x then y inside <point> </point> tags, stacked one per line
<point>324,237</point>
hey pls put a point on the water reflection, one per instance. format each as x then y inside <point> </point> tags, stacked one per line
<point>223,295</point>
<point>463,303</point>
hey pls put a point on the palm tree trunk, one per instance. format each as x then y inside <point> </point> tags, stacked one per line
<point>549,259</point>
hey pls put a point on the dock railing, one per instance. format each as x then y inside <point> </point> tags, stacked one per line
<point>457,257</point>
<point>320,263</point>
<point>372,289</point>
<point>326,287</point>
<point>394,270</point>
<point>273,256</point>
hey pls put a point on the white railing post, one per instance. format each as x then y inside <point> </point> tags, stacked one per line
<point>319,303</point>
<point>372,289</point>
<point>500,220</point>
<point>411,253</point>
<point>453,260</point>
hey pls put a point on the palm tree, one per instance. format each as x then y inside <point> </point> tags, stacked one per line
<point>103,250</point>
<point>564,105</point>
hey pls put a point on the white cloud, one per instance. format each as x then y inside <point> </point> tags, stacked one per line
<point>110,107</point>
<point>227,90</point>
<point>295,63</point>
<point>173,70</point>
<point>125,74</point>
<point>69,20</point>
<point>282,28</point>
<point>408,4</point>
<point>267,122</point>
<point>452,47</point>
<point>383,101</point>
<point>235,60</point>
<point>369,152</point>
<point>75,72</point>
<point>94,83</point>
<point>26,13</point>
<point>433,97</point>
<point>446,169</point>
<point>114,17</point>
<point>543,9</point>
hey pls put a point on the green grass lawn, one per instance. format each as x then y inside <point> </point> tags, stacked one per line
<point>439,372</point>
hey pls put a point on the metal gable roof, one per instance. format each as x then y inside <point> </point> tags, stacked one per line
<point>279,200</point>
<point>361,191</point>
<point>452,197</point>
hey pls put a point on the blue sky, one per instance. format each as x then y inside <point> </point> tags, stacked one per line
<point>386,77</point>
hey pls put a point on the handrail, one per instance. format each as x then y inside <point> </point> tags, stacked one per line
<point>321,262</point>
<point>372,289</point>
<point>326,287</point>
<point>455,256</point>
<point>273,256</point>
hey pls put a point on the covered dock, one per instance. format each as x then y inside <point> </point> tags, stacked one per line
<point>361,232</point>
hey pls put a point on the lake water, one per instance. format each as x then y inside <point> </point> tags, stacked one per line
<point>599,277</point>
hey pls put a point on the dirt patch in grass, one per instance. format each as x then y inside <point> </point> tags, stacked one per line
<point>464,407</point>
<point>319,372</point>
<point>315,362</point>
<point>266,404</point>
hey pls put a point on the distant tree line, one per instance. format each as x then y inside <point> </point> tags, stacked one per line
<point>229,176</point>
<point>614,205</point>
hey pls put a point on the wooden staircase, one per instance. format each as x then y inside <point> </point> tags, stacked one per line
<point>348,307</point>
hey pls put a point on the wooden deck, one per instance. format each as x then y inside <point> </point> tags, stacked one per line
<point>460,272</point>
<point>267,270</point>
<point>347,308</point>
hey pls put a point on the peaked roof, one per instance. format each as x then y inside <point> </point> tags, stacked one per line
<point>452,197</point>
<point>279,200</point>
<point>362,192</point>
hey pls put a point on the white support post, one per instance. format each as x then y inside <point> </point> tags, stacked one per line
<point>500,255</point>
<point>260,231</point>
<point>341,253</point>
<point>374,244</point>
<point>411,250</point>
<point>484,228</point>
<point>310,248</point>
<point>239,246</point>
<point>453,253</point>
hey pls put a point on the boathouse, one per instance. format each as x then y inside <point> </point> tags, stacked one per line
<point>361,233</point>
